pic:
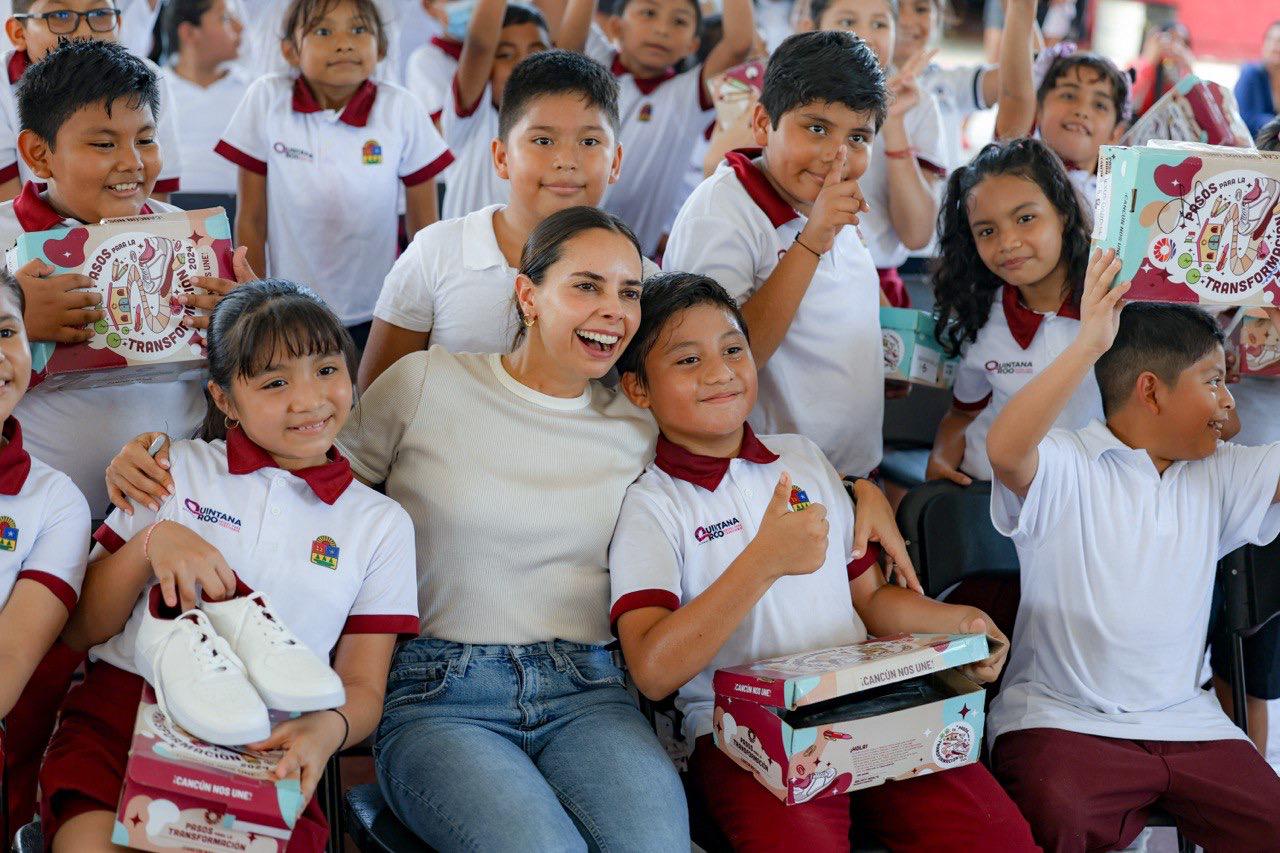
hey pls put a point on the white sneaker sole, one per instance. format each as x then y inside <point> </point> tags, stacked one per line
<point>295,704</point>
<point>218,737</point>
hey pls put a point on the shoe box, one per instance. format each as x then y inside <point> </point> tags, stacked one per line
<point>182,793</point>
<point>140,266</point>
<point>1192,223</point>
<point>835,720</point>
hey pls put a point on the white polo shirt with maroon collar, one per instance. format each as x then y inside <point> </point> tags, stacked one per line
<point>44,524</point>
<point>429,73</point>
<point>469,129</point>
<point>688,517</point>
<point>1014,346</point>
<point>12,164</point>
<point>333,556</point>
<point>333,181</point>
<point>826,379</point>
<point>662,120</point>
<point>83,428</point>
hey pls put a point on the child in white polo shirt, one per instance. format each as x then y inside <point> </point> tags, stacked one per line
<point>35,28</point>
<point>262,506</point>
<point>731,548</point>
<point>557,148</point>
<point>1080,104</point>
<point>665,111</point>
<point>204,37</point>
<point>499,36</point>
<point>774,226</point>
<point>322,154</point>
<point>44,529</point>
<point>908,157</point>
<point>429,70</point>
<point>1119,527</point>
<point>1014,244</point>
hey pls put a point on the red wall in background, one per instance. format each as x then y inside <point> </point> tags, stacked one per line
<point>1226,29</point>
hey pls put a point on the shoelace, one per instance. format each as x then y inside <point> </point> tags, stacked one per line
<point>276,631</point>
<point>210,651</point>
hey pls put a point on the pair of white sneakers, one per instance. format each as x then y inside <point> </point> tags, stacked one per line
<point>216,669</point>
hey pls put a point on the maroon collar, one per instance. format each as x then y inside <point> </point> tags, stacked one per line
<point>34,213</point>
<point>449,46</point>
<point>15,463</point>
<point>708,471</point>
<point>742,161</point>
<point>646,85</point>
<point>1023,322</point>
<point>328,481</point>
<point>18,63</point>
<point>355,113</point>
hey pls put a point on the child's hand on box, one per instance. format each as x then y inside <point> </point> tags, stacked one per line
<point>215,288</point>
<point>308,742</point>
<point>135,476</point>
<point>790,542</point>
<point>182,560</point>
<point>1101,304</point>
<point>838,204</point>
<point>59,307</point>
<point>987,670</point>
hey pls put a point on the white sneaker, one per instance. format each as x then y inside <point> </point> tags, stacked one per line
<point>287,675</point>
<point>200,684</point>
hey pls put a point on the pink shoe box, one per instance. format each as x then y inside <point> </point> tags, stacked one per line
<point>799,725</point>
<point>182,793</point>
<point>1192,223</point>
<point>140,265</point>
<point>1194,110</point>
<point>1258,345</point>
<point>736,91</point>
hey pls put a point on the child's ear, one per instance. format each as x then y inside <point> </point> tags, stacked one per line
<point>616,170</point>
<point>1147,391</point>
<point>222,400</point>
<point>498,151</point>
<point>36,152</point>
<point>634,389</point>
<point>290,51</point>
<point>761,124</point>
<point>806,25</point>
<point>16,32</point>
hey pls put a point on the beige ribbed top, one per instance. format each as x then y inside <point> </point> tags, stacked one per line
<point>513,494</point>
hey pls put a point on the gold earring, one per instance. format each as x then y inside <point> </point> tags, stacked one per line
<point>229,422</point>
<point>530,321</point>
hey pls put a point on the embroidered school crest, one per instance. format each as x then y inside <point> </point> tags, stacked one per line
<point>8,534</point>
<point>798,500</point>
<point>324,552</point>
<point>646,113</point>
<point>371,153</point>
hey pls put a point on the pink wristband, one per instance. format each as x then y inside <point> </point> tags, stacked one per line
<point>146,542</point>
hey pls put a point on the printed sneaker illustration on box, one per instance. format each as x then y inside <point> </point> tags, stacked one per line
<point>141,266</point>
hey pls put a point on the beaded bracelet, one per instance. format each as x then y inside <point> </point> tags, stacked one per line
<point>146,542</point>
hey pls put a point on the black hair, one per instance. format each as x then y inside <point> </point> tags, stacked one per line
<point>9,284</point>
<point>545,245</point>
<point>558,72</point>
<point>831,67</point>
<point>963,287</point>
<point>1268,138</point>
<point>175,14</point>
<point>665,296</point>
<point>1102,67</point>
<point>303,14</point>
<point>1161,338</point>
<point>620,6</point>
<point>79,73</point>
<point>709,35</point>
<point>262,320</point>
<point>519,13</point>
<point>817,8</point>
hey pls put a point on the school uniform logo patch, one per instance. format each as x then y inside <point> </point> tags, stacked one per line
<point>646,113</point>
<point>324,552</point>
<point>718,530</point>
<point>209,515</point>
<point>798,500</point>
<point>291,153</point>
<point>1006,368</point>
<point>8,534</point>
<point>371,153</point>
